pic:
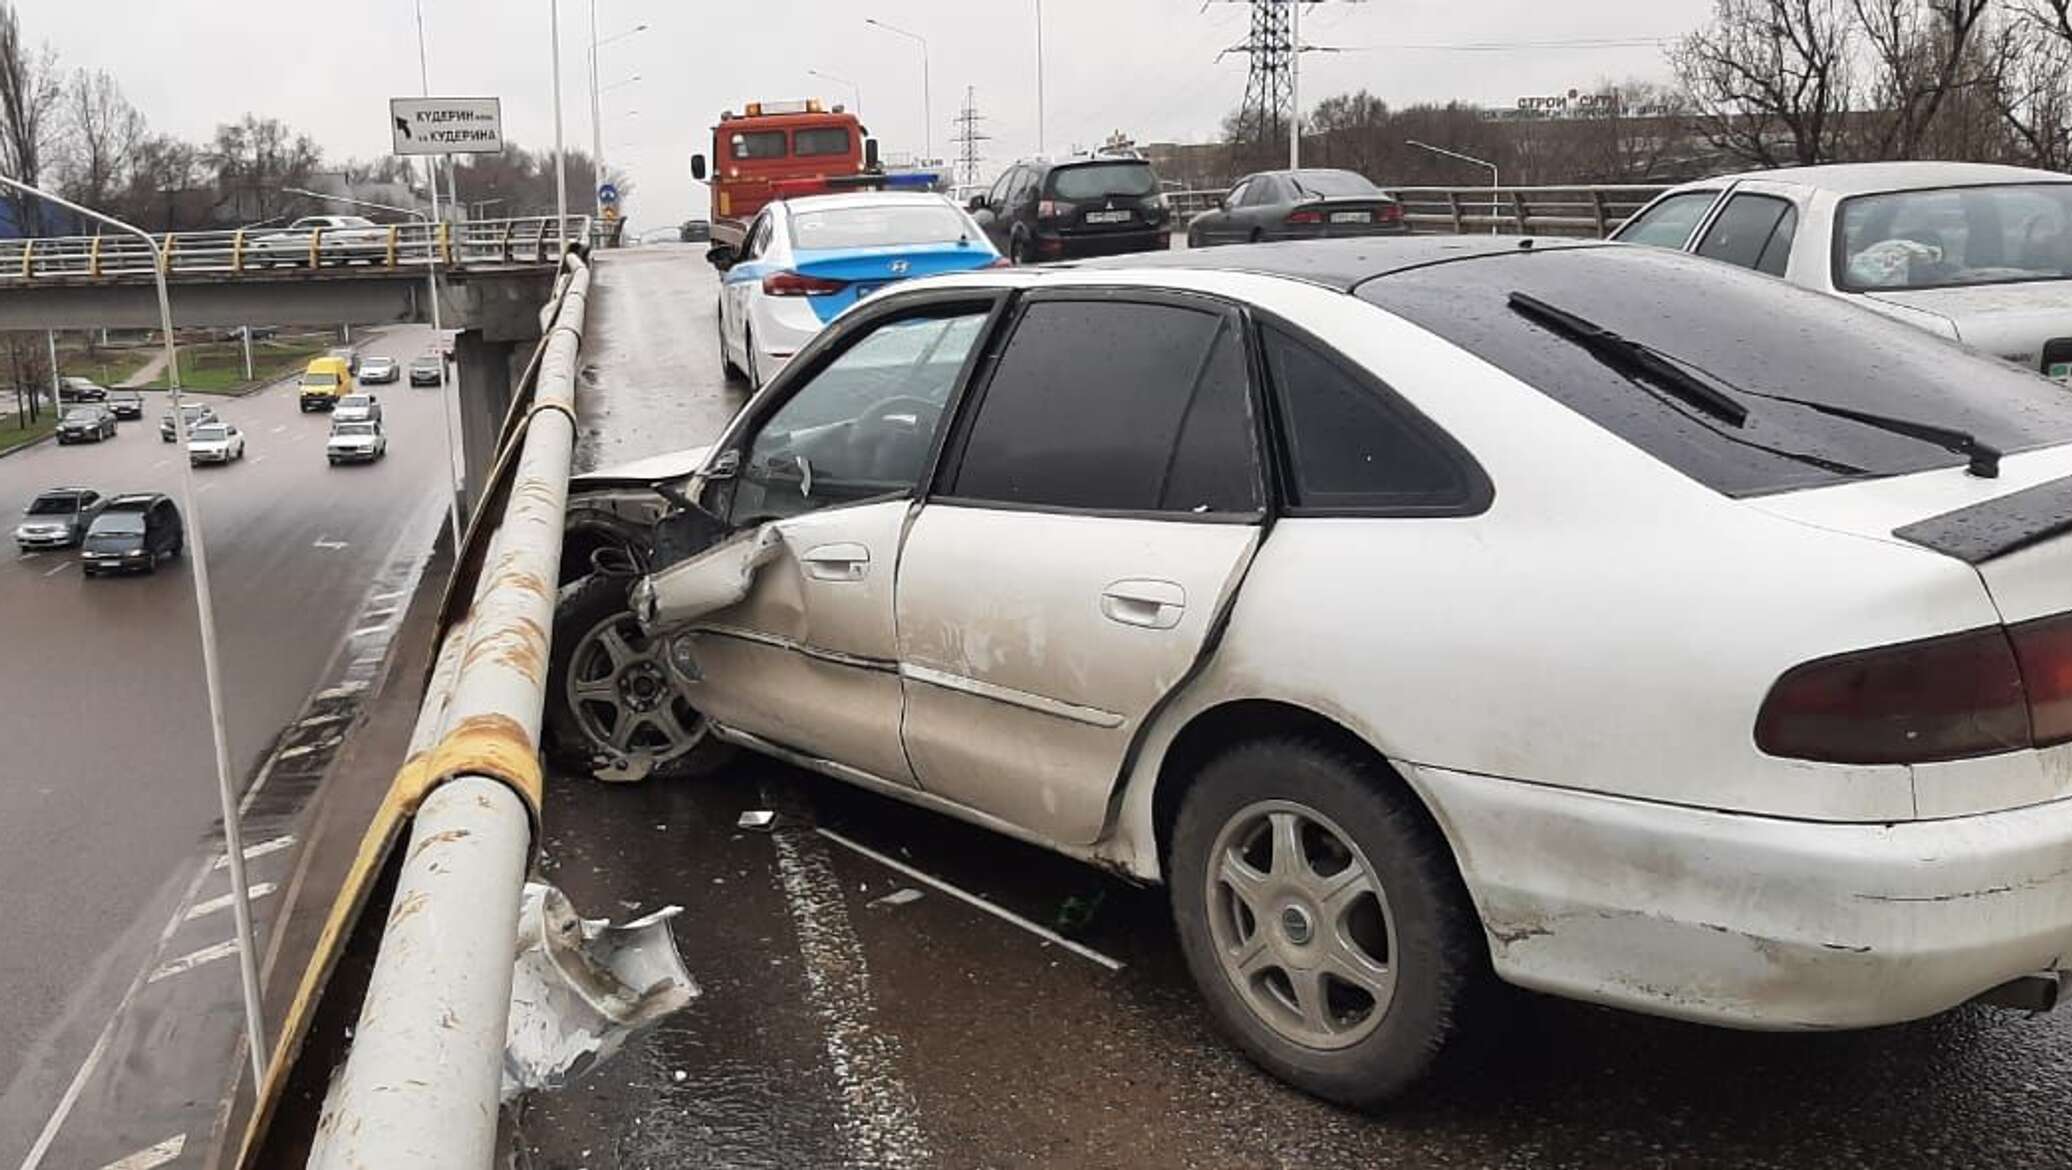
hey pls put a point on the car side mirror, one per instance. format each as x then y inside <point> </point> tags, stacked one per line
<point>721,257</point>
<point>870,154</point>
<point>978,203</point>
<point>725,466</point>
<point>698,167</point>
<point>1223,203</point>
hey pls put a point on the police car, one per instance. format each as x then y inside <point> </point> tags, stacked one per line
<point>806,258</point>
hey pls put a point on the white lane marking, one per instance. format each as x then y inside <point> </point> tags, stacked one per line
<point>61,568</point>
<point>381,598</point>
<point>877,1109</point>
<point>344,689</point>
<point>157,1155</point>
<point>258,458</point>
<point>204,487</point>
<point>363,631</point>
<point>190,961</point>
<point>320,720</point>
<point>223,901</point>
<point>277,430</point>
<point>320,542</point>
<point>65,1103</point>
<point>28,556</point>
<point>386,611</point>
<point>259,850</point>
<point>159,464</point>
<point>1084,952</point>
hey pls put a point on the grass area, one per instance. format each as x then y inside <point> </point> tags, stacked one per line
<point>218,367</point>
<point>13,435</point>
<point>106,365</point>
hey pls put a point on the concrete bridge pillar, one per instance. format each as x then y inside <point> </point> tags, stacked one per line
<point>486,379</point>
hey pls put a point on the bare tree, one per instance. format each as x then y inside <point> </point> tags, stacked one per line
<point>102,132</point>
<point>1770,80</point>
<point>1920,52</point>
<point>2030,66</point>
<point>254,160</point>
<point>29,96</point>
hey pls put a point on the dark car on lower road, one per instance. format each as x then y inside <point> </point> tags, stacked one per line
<point>86,424</point>
<point>428,370</point>
<point>1304,204</point>
<point>196,415</point>
<point>57,518</point>
<point>81,390</point>
<point>133,533</point>
<point>1100,206</point>
<point>126,404</point>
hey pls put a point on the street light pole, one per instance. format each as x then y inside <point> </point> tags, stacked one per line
<point>856,103</point>
<point>560,149</point>
<point>1294,84</point>
<point>211,668</point>
<point>1039,78</point>
<point>927,108</point>
<point>1467,158</point>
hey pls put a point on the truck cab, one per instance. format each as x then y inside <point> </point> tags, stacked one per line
<point>768,143</point>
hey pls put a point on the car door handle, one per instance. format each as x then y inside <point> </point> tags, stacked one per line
<point>1142,601</point>
<point>846,561</point>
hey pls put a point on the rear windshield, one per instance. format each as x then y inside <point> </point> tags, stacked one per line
<point>1748,332</point>
<point>824,141</point>
<point>1098,180</point>
<point>877,227</point>
<point>1330,184</point>
<point>1961,236</point>
<point>54,506</point>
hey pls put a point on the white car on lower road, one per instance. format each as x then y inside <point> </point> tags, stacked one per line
<point>361,441</point>
<point>1978,253</point>
<point>215,442</point>
<point>1601,619</point>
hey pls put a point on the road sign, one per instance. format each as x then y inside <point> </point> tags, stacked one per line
<point>447,125</point>
<point>607,194</point>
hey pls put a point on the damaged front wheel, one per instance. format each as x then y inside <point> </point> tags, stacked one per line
<point>614,709</point>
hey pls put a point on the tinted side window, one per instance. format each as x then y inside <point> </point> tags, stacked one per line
<point>1116,406</point>
<point>1669,223</point>
<point>1742,229</point>
<point>825,140</point>
<point>1262,191</point>
<point>1777,253</point>
<point>1351,444</point>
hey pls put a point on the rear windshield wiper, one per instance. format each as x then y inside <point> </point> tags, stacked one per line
<point>1639,359</point>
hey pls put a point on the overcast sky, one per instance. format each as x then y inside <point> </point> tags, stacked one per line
<point>1146,67</point>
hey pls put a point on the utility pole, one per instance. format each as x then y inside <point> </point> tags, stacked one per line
<point>968,137</point>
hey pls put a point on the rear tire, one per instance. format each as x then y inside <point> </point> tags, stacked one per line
<point>1350,995</point>
<point>728,371</point>
<point>754,375</point>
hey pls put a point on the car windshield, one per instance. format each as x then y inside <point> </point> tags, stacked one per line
<point>380,363</point>
<point>426,362</point>
<point>125,395</point>
<point>53,505</point>
<point>316,379</point>
<point>1754,337</point>
<point>352,401</point>
<point>1099,180</point>
<point>352,430</point>
<point>1959,236</point>
<point>883,226</point>
<point>208,434</point>
<point>1334,183</point>
<point>124,523</point>
<point>82,415</point>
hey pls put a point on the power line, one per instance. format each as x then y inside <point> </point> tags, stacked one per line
<point>1514,46</point>
<point>968,137</point>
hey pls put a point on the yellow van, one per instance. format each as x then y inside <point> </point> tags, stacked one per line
<point>326,381</point>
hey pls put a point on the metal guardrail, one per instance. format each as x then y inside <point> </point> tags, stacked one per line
<point>1594,211</point>
<point>415,246</point>
<point>420,1086</point>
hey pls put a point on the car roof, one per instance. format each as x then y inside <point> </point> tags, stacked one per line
<point>63,491</point>
<point>1866,178</point>
<point>135,500</point>
<point>1339,264</point>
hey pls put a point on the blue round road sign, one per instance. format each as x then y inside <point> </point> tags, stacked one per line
<point>607,193</point>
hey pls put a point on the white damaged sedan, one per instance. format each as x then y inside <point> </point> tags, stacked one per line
<point>1594,618</point>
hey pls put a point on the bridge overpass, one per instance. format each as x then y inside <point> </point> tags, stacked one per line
<point>493,276</point>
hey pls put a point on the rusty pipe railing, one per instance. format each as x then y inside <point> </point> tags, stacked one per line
<point>420,1085</point>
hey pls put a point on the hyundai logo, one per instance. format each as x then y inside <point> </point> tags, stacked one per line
<point>898,266</point>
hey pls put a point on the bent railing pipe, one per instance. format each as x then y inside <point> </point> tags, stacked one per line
<point>420,1086</point>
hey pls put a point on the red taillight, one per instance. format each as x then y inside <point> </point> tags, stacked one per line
<point>791,284</point>
<point>1938,699</point>
<point>1390,212</point>
<point>1307,216</point>
<point>2044,649</point>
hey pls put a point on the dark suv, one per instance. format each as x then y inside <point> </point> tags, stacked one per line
<point>133,532</point>
<point>1041,210</point>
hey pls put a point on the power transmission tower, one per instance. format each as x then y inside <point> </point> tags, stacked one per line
<point>968,137</point>
<point>1269,86</point>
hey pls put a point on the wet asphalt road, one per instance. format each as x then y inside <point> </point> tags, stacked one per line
<point>836,1030</point>
<point>107,785</point>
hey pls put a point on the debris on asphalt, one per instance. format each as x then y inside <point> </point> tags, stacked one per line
<point>898,897</point>
<point>761,820</point>
<point>581,986</point>
<point>1076,913</point>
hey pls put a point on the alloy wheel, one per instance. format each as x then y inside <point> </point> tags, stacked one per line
<point>623,697</point>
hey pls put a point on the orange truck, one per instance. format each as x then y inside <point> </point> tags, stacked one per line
<point>771,146</point>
